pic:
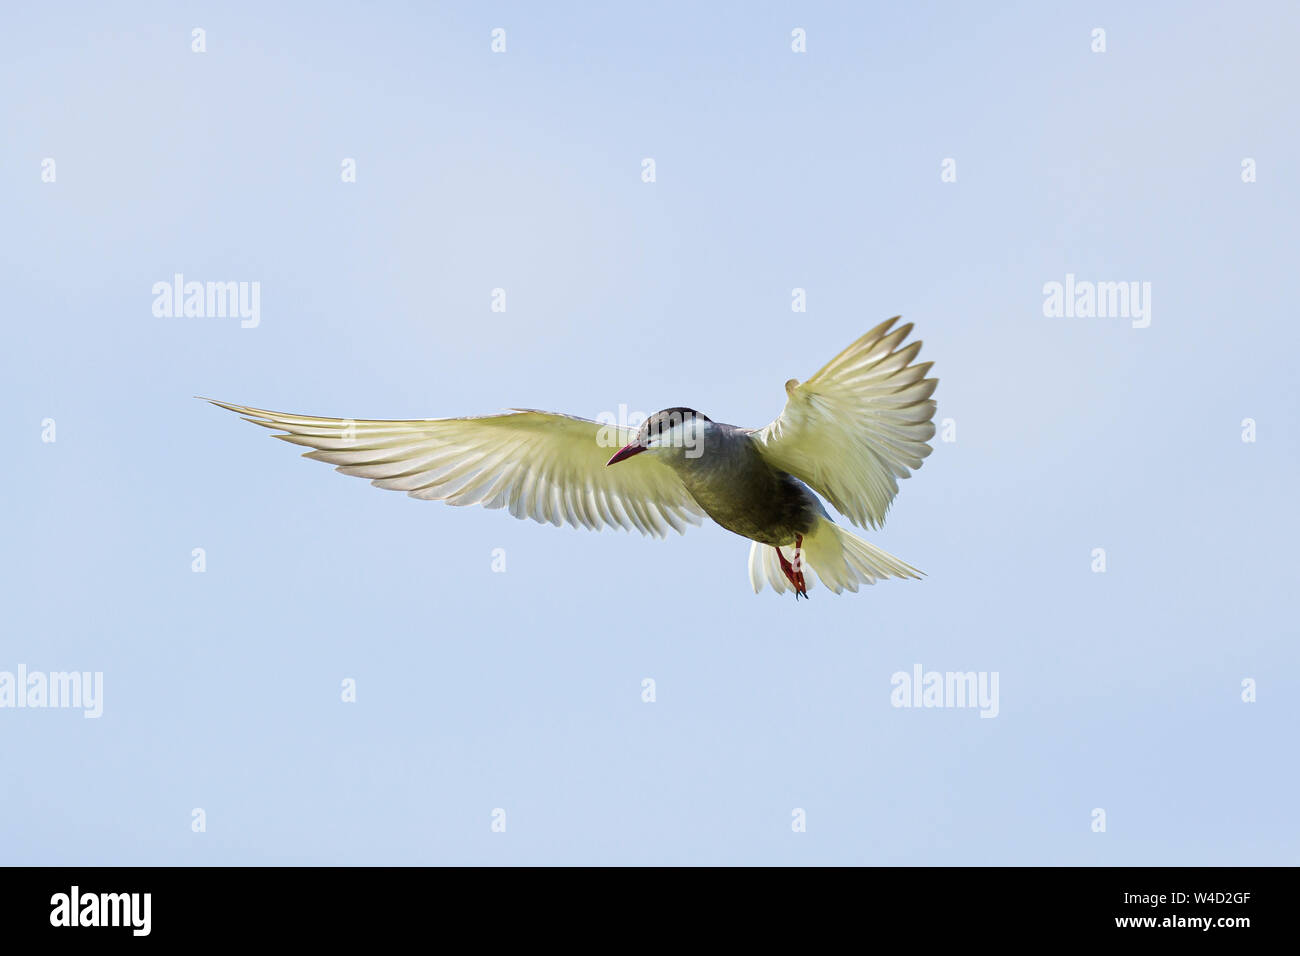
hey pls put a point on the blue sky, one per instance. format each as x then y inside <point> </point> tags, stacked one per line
<point>521,690</point>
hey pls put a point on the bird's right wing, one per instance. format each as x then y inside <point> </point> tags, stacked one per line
<point>540,465</point>
<point>857,426</point>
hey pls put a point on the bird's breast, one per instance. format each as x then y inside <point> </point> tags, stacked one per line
<point>747,496</point>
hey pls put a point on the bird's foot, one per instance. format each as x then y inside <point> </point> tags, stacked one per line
<point>794,572</point>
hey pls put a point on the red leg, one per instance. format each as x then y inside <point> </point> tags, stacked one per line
<point>798,566</point>
<point>794,573</point>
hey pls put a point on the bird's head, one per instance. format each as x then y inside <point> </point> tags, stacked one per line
<point>673,432</point>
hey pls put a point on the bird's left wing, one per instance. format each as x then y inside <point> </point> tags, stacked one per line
<point>858,425</point>
<point>540,465</point>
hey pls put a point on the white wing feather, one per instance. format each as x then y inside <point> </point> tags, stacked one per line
<point>858,425</point>
<point>539,465</point>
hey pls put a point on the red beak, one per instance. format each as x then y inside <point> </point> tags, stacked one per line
<point>627,451</point>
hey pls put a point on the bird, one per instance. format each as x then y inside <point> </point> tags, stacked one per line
<point>848,433</point>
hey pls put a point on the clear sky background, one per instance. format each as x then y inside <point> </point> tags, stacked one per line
<point>522,690</point>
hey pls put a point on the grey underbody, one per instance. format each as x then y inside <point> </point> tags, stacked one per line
<point>739,490</point>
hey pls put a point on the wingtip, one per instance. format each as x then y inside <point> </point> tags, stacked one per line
<point>879,332</point>
<point>238,409</point>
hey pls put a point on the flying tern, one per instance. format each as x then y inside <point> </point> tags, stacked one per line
<point>850,432</point>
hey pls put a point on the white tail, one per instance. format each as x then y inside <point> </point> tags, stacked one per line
<point>840,559</point>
